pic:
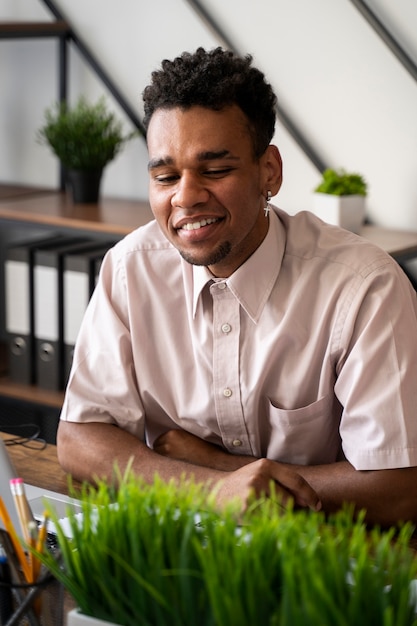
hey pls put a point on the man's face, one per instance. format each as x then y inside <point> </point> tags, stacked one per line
<point>207,191</point>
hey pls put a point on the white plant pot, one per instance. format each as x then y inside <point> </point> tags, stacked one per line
<point>75,618</point>
<point>344,211</point>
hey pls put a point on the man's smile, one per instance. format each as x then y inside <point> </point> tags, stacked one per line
<point>198,224</point>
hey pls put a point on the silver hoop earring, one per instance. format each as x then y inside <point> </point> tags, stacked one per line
<point>267,208</point>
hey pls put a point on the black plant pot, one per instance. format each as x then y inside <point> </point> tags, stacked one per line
<point>84,185</point>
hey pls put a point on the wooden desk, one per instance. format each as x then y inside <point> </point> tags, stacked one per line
<point>38,466</point>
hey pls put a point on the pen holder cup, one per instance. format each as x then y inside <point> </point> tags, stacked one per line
<point>52,604</point>
<point>38,605</point>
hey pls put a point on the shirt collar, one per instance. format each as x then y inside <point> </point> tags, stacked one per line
<point>252,282</point>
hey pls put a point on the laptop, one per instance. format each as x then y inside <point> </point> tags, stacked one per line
<point>36,496</point>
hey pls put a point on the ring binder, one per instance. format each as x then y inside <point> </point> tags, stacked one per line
<point>18,269</point>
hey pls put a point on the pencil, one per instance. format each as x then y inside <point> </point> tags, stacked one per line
<point>5,517</point>
<point>40,545</point>
<point>22,506</point>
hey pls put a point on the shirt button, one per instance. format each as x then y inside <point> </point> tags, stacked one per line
<point>236,443</point>
<point>227,392</point>
<point>221,285</point>
<point>226,328</point>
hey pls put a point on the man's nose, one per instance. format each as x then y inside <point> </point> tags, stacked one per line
<point>190,191</point>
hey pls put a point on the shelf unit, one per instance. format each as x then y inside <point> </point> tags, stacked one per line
<point>41,208</point>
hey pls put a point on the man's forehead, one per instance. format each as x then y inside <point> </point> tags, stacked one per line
<point>197,135</point>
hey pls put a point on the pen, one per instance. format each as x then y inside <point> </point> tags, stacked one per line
<point>6,597</point>
<point>33,559</point>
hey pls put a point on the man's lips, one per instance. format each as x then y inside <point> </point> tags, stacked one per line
<point>196,224</point>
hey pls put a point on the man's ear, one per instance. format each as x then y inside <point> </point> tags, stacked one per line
<point>272,163</point>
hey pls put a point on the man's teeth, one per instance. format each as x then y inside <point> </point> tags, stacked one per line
<point>195,225</point>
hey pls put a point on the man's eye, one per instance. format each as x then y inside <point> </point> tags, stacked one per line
<point>219,172</point>
<point>166,179</point>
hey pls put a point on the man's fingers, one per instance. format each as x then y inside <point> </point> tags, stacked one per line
<point>295,485</point>
<point>259,475</point>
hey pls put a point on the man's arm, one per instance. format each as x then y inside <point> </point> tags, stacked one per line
<point>89,451</point>
<point>387,495</point>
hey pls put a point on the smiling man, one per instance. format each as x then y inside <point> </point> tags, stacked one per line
<point>234,343</point>
<point>222,185</point>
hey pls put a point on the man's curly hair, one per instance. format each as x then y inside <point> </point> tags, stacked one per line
<point>215,79</point>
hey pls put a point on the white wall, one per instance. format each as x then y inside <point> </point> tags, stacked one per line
<point>345,90</point>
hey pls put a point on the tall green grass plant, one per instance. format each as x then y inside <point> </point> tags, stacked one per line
<point>163,555</point>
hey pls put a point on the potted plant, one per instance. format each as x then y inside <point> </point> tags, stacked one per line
<point>340,199</point>
<point>85,138</point>
<point>163,555</point>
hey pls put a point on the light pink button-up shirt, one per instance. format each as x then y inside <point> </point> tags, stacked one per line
<point>308,352</point>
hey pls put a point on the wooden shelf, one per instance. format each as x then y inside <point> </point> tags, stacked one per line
<point>35,206</point>
<point>16,30</point>
<point>30,393</point>
<point>400,244</point>
<point>112,215</point>
<point>10,191</point>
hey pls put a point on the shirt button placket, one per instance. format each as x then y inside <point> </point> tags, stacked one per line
<point>226,379</point>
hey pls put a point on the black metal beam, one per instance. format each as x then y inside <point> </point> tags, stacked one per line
<point>282,115</point>
<point>386,36</point>
<point>62,90</point>
<point>99,70</point>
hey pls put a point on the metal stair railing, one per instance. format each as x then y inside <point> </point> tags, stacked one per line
<point>387,37</point>
<point>71,35</point>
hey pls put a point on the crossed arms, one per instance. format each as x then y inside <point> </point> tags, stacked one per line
<point>90,450</point>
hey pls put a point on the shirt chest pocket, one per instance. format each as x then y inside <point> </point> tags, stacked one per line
<point>308,435</point>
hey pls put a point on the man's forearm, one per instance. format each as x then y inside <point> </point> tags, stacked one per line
<point>386,495</point>
<point>91,450</point>
<point>181,445</point>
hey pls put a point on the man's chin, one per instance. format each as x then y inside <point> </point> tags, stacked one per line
<point>212,258</point>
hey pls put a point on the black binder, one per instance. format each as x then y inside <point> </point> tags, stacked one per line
<point>48,311</point>
<point>79,280</point>
<point>18,270</point>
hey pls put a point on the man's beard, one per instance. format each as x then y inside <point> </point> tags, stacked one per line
<point>216,256</point>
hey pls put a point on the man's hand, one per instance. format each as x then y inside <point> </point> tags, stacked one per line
<point>247,478</point>
<point>263,476</point>
<point>183,446</point>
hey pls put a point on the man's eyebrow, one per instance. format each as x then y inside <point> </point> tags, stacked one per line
<point>209,155</point>
<point>153,163</point>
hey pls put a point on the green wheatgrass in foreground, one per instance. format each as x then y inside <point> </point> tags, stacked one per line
<point>161,554</point>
